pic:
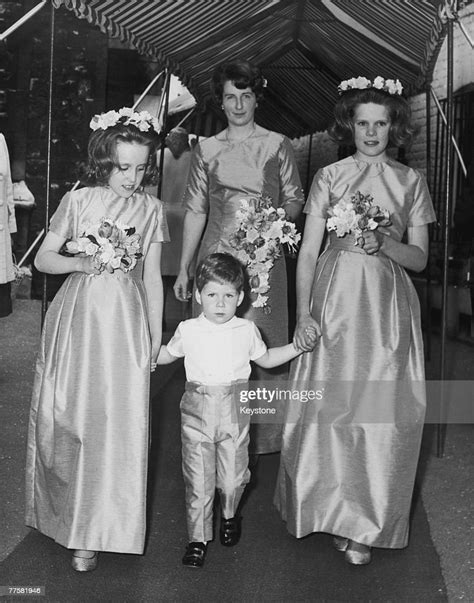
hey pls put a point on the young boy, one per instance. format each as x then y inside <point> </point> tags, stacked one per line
<point>217,348</point>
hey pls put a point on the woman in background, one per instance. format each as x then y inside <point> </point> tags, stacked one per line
<point>244,160</point>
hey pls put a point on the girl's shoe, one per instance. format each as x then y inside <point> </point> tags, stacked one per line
<point>357,554</point>
<point>340,543</point>
<point>84,564</point>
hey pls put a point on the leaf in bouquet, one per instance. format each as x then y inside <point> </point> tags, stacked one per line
<point>363,222</point>
<point>92,239</point>
<point>130,231</point>
<point>384,222</point>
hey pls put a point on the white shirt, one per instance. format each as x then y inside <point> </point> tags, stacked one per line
<point>216,354</point>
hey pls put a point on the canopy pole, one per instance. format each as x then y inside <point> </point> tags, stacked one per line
<point>441,429</point>
<point>147,89</point>
<point>186,116</point>
<point>308,165</point>
<point>44,305</point>
<point>164,106</point>
<point>22,20</point>
<point>453,140</point>
<point>428,177</point>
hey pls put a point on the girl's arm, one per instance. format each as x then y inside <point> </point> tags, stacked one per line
<point>305,269</point>
<point>412,255</point>
<point>48,259</point>
<point>154,293</point>
<point>277,356</point>
<point>193,228</point>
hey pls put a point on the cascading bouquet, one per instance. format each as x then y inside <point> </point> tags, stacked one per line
<point>113,245</point>
<point>357,215</point>
<point>261,230</point>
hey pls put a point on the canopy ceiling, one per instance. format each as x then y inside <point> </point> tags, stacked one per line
<point>304,47</point>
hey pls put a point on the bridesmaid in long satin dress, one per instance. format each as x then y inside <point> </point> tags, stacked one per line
<point>243,160</point>
<point>88,437</point>
<point>348,461</point>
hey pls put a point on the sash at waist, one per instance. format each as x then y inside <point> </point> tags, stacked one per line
<point>346,243</point>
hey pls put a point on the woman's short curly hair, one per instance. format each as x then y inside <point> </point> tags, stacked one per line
<point>102,152</point>
<point>242,74</point>
<point>402,130</point>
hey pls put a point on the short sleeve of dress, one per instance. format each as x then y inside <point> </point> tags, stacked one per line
<point>175,345</point>
<point>196,193</point>
<point>291,190</point>
<point>319,195</point>
<point>257,346</point>
<point>63,219</point>
<point>161,233</point>
<point>422,211</point>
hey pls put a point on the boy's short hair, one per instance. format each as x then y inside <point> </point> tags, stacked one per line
<point>222,268</point>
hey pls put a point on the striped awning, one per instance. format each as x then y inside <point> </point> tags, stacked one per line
<point>304,47</point>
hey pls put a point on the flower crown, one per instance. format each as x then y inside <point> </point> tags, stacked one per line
<point>126,116</point>
<point>361,83</point>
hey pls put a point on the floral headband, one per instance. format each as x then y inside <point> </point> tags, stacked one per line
<point>126,116</point>
<point>361,83</point>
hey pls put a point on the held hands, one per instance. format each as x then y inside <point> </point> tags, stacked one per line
<point>181,287</point>
<point>307,333</point>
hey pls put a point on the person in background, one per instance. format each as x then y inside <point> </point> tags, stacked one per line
<point>7,228</point>
<point>177,158</point>
<point>348,462</point>
<point>245,160</point>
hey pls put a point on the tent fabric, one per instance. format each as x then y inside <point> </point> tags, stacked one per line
<point>304,47</point>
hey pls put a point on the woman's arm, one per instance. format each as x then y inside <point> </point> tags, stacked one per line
<point>193,228</point>
<point>49,260</point>
<point>305,269</point>
<point>154,293</point>
<point>412,255</point>
<point>291,191</point>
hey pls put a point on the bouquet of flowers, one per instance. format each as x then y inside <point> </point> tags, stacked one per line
<point>113,245</point>
<point>357,215</point>
<point>261,231</point>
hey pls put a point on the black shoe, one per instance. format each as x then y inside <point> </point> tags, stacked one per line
<point>230,531</point>
<point>195,554</point>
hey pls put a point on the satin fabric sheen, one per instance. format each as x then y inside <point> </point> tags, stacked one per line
<point>215,440</point>
<point>342,470</point>
<point>221,174</point>
<point>89,422</point>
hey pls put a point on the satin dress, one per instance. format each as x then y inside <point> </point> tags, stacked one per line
<point>349,456</point>
<point>88,434</point>
<point>221,174</point>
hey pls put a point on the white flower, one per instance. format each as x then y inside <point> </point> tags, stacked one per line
<point>393,86</point>
<point>372,224</point>
<point>142,120</point>
<point>261,301</point>
<point>115,262</point>
<point>379,82</point>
